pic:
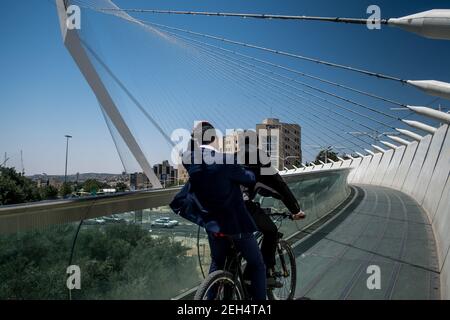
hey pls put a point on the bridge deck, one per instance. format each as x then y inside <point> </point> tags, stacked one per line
<point>381,227</point>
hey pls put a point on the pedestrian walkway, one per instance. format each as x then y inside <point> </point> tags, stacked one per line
<point>382,228</point>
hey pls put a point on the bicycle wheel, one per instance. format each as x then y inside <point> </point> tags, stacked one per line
<point>220,285</point>
<point>286,272</point>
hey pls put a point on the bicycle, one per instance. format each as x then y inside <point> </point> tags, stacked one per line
<point>229,283</point>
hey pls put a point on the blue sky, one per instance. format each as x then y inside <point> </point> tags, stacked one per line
<point>43,95</point>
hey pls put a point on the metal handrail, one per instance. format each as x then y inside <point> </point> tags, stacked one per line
<point>27,216</point>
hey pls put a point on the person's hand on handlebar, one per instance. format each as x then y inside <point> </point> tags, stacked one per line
<point>298,216</point>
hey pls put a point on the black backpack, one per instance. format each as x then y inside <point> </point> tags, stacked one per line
<point>186,205</point>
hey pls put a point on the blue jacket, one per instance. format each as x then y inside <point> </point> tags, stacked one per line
<point>217,187</point>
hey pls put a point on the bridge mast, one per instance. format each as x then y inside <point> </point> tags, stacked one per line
<point>73,44</point>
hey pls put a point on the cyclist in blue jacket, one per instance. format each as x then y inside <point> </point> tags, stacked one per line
<point>217,186</point>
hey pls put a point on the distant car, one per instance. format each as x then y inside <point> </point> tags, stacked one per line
<point>100,221</point>
<point>95,221</point>
<point>113,219</point>
<point>165,222</point>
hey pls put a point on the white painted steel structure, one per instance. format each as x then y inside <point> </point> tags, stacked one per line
<point>80,56</point>
<point>434,24</point>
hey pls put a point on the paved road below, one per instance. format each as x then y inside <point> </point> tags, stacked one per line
<point>382,227</point>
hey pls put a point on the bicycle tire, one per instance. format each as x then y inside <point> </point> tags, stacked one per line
<point>285,247</point>
<point>215,277</point>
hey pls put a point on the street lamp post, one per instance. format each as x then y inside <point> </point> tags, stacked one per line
<point>67,153</point>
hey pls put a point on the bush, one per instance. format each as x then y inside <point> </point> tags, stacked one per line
<point>15,188</point>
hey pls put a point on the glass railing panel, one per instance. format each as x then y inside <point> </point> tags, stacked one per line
<point>33,263</point>
<point>144,254</point>
<point>317,193</point>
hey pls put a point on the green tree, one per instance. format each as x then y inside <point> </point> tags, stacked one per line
<point>125,262</point>
<point>33,264</point>
<point>66,189</point>
<point>297,163</point>
<point>325,154</point>
<point>48,192</point>
<point>92,186</point>
<point>15,188</point>
<point>77,186</point>
<point>121,187</point>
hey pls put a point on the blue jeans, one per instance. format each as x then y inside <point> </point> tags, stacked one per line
<point>248,247</point>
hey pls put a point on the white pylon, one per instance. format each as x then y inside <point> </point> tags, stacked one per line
<point>434,24</point>
<point>431,113</point>
<point>379,148</point>
<point>399,140</point>
<point>78,52</point>
<point>420,126</point>
<point>388,144</point>
<point>410,134</point>
<point>432,87</point>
